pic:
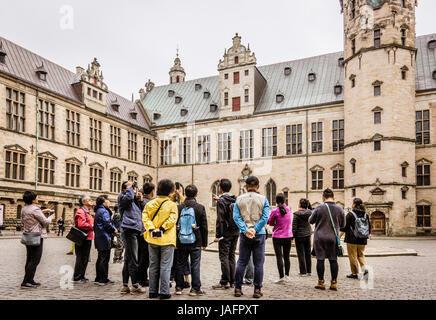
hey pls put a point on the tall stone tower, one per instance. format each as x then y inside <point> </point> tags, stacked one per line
<point>177,72</point>
<point>379,110</point>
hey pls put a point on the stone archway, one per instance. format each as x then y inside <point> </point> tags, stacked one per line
<point>378,223</point>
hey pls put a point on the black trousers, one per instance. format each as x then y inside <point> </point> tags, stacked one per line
<point>82,259</point>
<point>143,261</point>
<point>334,269</point>
<point>303,246</point>
<point>282,248</point>
<point>33,259</point>
<point>226,249</point>
<point>61,231</point>
<point>102,266</point>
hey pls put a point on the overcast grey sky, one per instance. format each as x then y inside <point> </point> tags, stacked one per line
<point>135,40</point>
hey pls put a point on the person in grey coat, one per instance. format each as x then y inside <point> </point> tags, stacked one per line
<point>302,232</point>
<point>324,239</point>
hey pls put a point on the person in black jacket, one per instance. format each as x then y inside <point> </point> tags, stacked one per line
<point>227,235</point>
<point>192,250</point>
<point>302,232</point>
<point>355,246</point>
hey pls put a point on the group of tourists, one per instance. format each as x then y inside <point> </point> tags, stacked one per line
<point>164,230</point>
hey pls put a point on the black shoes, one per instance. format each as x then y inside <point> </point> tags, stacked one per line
<point>258,293</point>
<point>238,292</point>
<point>186,285</point>
<point>27,286</point>
<point>164,296</point>
<point>153,295</point>
<point>35,284</point>
<point>352,276</point>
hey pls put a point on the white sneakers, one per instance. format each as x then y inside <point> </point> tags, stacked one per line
<point>283,280</point>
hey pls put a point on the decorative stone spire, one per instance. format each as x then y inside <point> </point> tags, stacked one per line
<point>177,72</point>
<point>94,75</point>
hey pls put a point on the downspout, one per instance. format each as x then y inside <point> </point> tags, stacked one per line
<point>307,154</point>
<point>37,139</point>
<point>157,160</point>
<point>192,156</point>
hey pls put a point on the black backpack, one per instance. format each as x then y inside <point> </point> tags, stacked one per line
<point>228,217</point>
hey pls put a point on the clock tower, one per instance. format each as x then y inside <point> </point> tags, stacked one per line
<point>379,111</point>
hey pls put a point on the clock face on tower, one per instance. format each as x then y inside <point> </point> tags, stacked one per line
<point>376,4</point>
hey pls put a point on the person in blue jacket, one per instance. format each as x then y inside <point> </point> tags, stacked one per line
<point>103,230</point>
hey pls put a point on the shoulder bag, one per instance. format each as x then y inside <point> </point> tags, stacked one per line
<point>339,248</point>
<point>76,235</point>
<point>32,239</point>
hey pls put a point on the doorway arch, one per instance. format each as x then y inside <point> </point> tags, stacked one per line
<point>378,223</point>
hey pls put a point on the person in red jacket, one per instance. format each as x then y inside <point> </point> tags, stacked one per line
<point>83,220</point>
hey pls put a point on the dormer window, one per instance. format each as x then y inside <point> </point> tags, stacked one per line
<point>213,107</point>
<point>115,105</point>
<point>133,115</point>
<point>197,87</point>
<point>432,44</point>
<point>280,98</point>
<point>178,100</point>
<point>171,93</point>
<point>338,89</point>
<point>312,76</point>
<point>183,112</point>
<point>41,72</point>
<point>206,95</point>
<point>236,60</point>
<point>341,62</point>
<point>288,71</point>
<point>3,53</point>
<point>434,75</point>
<point>156,115</point>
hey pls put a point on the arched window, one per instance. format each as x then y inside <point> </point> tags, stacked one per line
<point>215,190</point>
<point>19,208</point>
<point>271,192</point>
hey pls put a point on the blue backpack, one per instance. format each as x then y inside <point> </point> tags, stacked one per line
<point>186,220</point>
<point>361,226</point>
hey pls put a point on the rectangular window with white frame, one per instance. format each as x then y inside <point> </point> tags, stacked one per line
<point>185,150</point>
<point>224,146</point>
<point>246,145</point>
<point>269,142</point>
<point>203,149</point>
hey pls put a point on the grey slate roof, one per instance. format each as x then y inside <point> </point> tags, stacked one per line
<point>296,88</point>
<point>22,64</point>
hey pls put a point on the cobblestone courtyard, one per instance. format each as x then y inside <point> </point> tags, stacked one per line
<point>402,277</point>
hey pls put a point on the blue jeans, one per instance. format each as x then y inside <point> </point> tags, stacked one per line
<point>161,260</point>
<point>130,239</point>
<point>249,272</point>
<point>182,258</point>
<point>247,247</point>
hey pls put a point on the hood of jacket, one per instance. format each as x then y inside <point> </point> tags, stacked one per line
<point>227,198</point>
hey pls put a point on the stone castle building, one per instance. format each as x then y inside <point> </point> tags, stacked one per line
<point>361,122</point>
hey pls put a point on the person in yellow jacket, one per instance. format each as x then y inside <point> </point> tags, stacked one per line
<point>160,217</point>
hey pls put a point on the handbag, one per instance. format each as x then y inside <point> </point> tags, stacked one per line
<point>339,248</point>
<point>76,235</point>
<point>32,239</point>
<point>154,216</point>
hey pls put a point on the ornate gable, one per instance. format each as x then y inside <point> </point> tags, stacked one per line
<point>317,168</point>
<point>96,165</point>
<point>338,167</point>
<point>423,161</point>
<point>237,55</point>
<point>132,173</point>
<point>74,160</point>
<point>15,147</point>
<point>116,169</point>
<point>47,154</point>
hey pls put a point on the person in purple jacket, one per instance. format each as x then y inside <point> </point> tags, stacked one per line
<point>281,220</point>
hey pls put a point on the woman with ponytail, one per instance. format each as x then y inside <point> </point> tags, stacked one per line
<point>281,220</point>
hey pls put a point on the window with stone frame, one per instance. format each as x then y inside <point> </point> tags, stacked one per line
<point>377,38</point>
<point>317,129</point>
<point>423,216</point>
<point>338,135</point>
<point>96,177</point>
<point>73,128</point>
<point>353,46</point>
<point>15,165</point>
<point>166,152</point>
<point>203,147</point>
<point>403,37</point>
<point>236,77</point>
<point>185,150</point>
<point>246,95</point>
<point>377,117</point>
<point>72,174</point>
<point>269,142</point>
<point>46,119</point>
<point>271,192</point>
<point>46,169</point>
<point>95,135</point>
<point>224,146</point>
<point>15,110</point>
<point>115,181</point>
<point>115,139</point>
<point>423,175</point>
<point>377,145</point>
<point>132,176</point>
<point>317,179</point>
<point>353,165</point>
<point>377,90</point>
<point>147,151</point>
<point>294,139</point>
<point>422,127</point>
<point>132,146</point>
<point>246,144</point>
<point>226,98</point>
<point>338,178</point>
